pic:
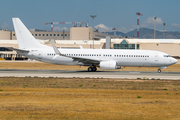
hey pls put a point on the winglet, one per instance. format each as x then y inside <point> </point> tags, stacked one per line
<point>57,52</point>
<point>80,47</point>
<point>55,49</point>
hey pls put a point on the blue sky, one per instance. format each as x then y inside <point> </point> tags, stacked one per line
<point>110,13</point>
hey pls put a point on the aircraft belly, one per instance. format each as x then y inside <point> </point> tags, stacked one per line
<point>135,63</point>
<point>63,61</point>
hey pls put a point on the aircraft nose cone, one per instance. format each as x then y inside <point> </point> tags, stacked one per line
<point>174,60</point>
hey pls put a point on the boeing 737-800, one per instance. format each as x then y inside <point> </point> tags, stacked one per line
<point>102,58</point>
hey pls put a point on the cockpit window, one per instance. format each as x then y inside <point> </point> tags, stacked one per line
<point>166,55</point>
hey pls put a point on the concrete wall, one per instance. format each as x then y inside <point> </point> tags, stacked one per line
<point>172,49</point>
<point>81,33</point>
<point>5,35</point>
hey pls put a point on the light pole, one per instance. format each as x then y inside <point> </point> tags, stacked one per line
<point>163,29</point>
<point>93,16</point>
<point>155,27</point>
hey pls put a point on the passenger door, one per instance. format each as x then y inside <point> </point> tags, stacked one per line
<point>156,58</point>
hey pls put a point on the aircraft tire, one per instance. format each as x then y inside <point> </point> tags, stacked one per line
<point>90,69</point>
<point>94,69</point>
<point>159,70</point>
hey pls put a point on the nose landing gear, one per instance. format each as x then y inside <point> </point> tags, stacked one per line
<point>159,70</point>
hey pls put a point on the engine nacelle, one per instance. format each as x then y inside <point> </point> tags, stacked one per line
<point>109,65</point>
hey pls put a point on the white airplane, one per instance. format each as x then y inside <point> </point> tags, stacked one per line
<point>102,58</point>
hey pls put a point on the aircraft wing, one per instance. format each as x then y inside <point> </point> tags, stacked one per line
<point>17,50</point>
<point>86,61</point>
<point>78,59</point>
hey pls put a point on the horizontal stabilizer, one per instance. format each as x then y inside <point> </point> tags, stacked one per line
<point>18,50</point>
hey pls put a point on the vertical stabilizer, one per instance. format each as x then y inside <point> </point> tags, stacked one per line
<point>25,39</point>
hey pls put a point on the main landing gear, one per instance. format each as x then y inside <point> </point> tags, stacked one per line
<point>92,69</point>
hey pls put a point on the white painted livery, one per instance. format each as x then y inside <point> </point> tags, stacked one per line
<point>102,58</point>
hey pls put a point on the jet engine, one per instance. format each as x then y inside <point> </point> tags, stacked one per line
<point>109,65</point>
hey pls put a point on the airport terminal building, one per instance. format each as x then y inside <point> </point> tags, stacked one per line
<point>87,38</point>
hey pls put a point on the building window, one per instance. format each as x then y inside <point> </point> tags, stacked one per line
<point>32,34</point>
<point>54,34</point>
<point>65,34</point>
<point>43,34</point>
<point>13,34</point>
<point>35,34</point>
<point>46,34</point>
<point>39,34</point>
<point>57,34</point>
<point>61,34</point>
<point>50,34</point>
<point>137,46</point>
<point>125,45</point>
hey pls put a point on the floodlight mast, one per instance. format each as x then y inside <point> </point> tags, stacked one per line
<point>93,16</point>
<point>163,29</point>
<point>155,27</point>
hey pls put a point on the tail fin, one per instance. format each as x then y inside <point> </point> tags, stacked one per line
<point>25,39</point>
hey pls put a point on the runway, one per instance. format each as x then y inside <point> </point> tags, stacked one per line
<point>85,74</point>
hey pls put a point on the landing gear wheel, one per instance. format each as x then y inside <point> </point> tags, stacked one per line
<point>94,69</point>
<point>159,70</point>
<point>90,69</point>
